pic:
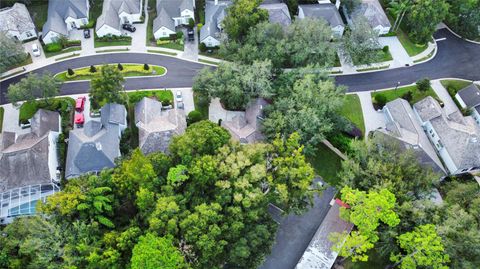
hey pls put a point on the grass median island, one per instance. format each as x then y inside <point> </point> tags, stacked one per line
<point>352,110</point>
<point>129,70</point>
<point>409,93</point>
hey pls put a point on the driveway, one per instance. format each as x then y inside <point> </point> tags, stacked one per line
<point>373,119</point>
<point>442,93</point>
<point>28,48</point>
<point>399,54</point>
<point>187,95</point>
<point>10,122</point>
<point>190,50</point>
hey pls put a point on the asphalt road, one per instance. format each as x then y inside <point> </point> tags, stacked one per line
<point>455,58</point>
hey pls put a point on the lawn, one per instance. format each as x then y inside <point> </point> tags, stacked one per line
<point>95,12</point>
<point>352,110</point>
<point>454,85</point>
<point>383,57</point>
<point>176,45</point>
<point>401,92</point>
<point>201,106</point>
<point>112,41</point>
<point>129,70</point>
<point>65,105</point>
<point>71,49</point>
<point>411,48</point>
<point>2,111</point>
<point>327,164</point>
<point>164,96</point>
<point>38,11</point>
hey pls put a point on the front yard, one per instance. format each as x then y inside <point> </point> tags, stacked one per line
<point>112,41</point>
<point>454,85</point>
<point>352,110</point>
<point>327,164</point>
<point>129,70</point>
<point>67,50</point>
<point>409,93</point>
<point>383,56</point>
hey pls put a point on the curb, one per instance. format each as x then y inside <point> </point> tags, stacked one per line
<point>459,36</point>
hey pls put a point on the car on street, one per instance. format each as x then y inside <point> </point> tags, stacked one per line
<point>129,27</point>
<point>86,33</point>
<point>178,96</point>
<point>79,119</point>
<point>191,34</point>
<point>35,50</point>
<point>80,103</point>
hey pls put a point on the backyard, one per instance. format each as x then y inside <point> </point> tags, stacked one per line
<point>129,70</point>
<point>352,110</point>
<point>409,93</point>
<point>326,164</point>
<point>201,106</point>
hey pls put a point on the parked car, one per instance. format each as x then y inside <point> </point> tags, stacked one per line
<point>129,27</point>
<point>191,35</point>
<point>25,125</point>
<point>80,103</point>
<point>178,96</point>
<point>86,33</point>
<point>79,119</point>
<point>35,50</point>
<point>180,105</point>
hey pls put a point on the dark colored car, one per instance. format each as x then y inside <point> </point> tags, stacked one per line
<point>191,35</point>
<point>129,27</point>
<point>86,33</point>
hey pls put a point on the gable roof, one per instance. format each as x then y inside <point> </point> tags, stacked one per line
<point>214,15</point>
<point>470,95</point>
<point>59,10</point>
<point>16,18</point>
<point>112,113</point>
<point>44,121</point>
<point>169,9</point>
<point>373,12</point>
<point>278,13</point>
<point>328,12</point>
<point>245,126</point>
<point>113,8</point>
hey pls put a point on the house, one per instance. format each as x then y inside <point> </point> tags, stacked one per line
<point>157,126</point>
<point>469,98</point>
<point>244,126</point>
<point>326,11</point>
<point>95,146</point>
<point>170,14</point>
<point>402,126</point>
<point>277,12</point>
<point>456,138</point>
<point>115,13</point>
<point>319,253</point>
<point>64,16</point>
<point>372,10</point>
<point>28,166</point>
<point>211,32</point>
<point>16,22</point>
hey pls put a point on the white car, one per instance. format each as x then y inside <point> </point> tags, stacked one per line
<point>35,50</point>
<point>178,96</point>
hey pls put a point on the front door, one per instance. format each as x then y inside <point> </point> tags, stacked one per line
<point>74,26</point>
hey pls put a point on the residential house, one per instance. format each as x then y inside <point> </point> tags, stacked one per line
<point>115,13</point>
<point>402,126</point>
<point>170,14</point>
<point>16,22</point>
<point>157,126</point>
<point>28,166</point>
<point>211,32</point>
<point>326,11</point>
<point>95,146</point>
<point>319,253</point>
<point>469,98</point>
<point>372,10</point>
<point>277,12</point>
<point>455,137</point>
<point>64,16</point>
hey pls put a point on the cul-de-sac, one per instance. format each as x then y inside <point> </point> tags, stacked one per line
<point>240,134</point>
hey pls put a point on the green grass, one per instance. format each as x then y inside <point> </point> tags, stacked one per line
<point>111,50</point>
<point>71,49</point>
<point>411,48</point>
<point>327,164</point>
<point>2,111</point>
<point>454,85</point>
<point>159,70</point>
<point>373,68</point>
<point>152,14</point>
<point>352,110</point>
<point>68,56</point>
<point>208,62</point>
<point>95,12</point>
<point>214,54</point>
<point>164,96</point>
<point>383,57</point>
<point>201,106</point>
<point>38,11</point>
<point>98,42</point>
<point>417,95</point>
<point>163,52</point>
<point>172,45</point>
<point>425,57</point>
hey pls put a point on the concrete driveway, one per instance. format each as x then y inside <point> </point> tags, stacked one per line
<point>399,54</point>
<point>187,95</point>
<point>87,43</point>
<point>190,50</point>
<point>373,119</point>
<point>28,48</point>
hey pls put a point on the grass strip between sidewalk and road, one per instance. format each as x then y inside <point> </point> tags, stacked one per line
<point>111,50</point>
<point>163,52</point>
<point>68,56</point>
<point>129,70</point>
<point>208,62</point>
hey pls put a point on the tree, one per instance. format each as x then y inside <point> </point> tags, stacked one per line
<point>12,52</point>
<point>70,72</point>
<point>423,84</point>
<point>33,86</point>
<point>153,252</point>
<point>146,67</point>
<point>120,66</point>
<point>464,17</point>
<point>108,86</point>
<point>398,9</point>
<point>243,14</point>
<point>361,43</point>
<point>93,69</point>
<point>423,18</point>
<point>194,116</point>
<point>235,84</point>
<point>191,23</point>
<point>421,247</point>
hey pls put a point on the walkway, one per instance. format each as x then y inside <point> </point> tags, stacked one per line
<point>442,93</point>
<point>373,119</point>
<point>399,55</point>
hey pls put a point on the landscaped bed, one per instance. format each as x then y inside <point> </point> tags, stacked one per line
<point>327,164</point>
<point>201,106</point>
<point>108,41</point>
<point>71,49</point>
<point>64,105</point>
<point>403,92</point>
<point>352,110</point>
<point>129,70</point>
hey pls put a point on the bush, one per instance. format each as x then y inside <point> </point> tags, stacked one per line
<point>199,27</point>
<point>146,67</point>
<point>408,96</point>
<point>380,99</point>
<point>423,84</point>
<point>341,142</point>
<point>93,69</point>
<point>120,66</point>
<point>202,47</point>
<point>70,72</point>
<point>53,47</point>
<point>194,116</point>
<point>191,23</point>
<point>61,149</point>
<point>385,49</point>
<point>163,42</point>
<point>179,35</point>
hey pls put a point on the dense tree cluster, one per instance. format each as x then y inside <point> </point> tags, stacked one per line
<point>12,52</point>
<point>422,18</point>
<point>203,206</point>
<point>34,86</point>
<point>243,15</point>
<point>361,43</point>
<point>464,17</point>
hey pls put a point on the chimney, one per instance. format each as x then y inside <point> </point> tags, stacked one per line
<point>337,4</point>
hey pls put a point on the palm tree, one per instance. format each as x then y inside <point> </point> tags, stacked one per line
<point>398,8</point>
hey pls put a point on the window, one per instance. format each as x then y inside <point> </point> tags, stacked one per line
<point>433,135</point>
<point>164,33</point>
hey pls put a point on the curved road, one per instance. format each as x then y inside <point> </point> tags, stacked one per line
<point>455,58</point>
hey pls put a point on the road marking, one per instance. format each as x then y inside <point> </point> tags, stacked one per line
<point>441,39</point>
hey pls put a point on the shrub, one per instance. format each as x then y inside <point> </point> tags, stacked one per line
<point>61,149</point>
<point>423,84</point>
<point>199,27</point>
<point>341,142</point>
<point>120,66</point>
<point>191,23</point>
<point>202,47</point>
<point>70,72</point>
<point>53,47</point>
<point>380,99</point>
<point>408,96</point>
<point>194,116</point>
<point>162,42</point>
<point>146,67</point>
<point>93,69</point>
<point>179,35</point>
<point>385,49</point>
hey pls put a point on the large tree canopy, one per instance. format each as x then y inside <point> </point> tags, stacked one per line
<point>32,87</point>
<point>107,88</point>
<point>464,17</point>
<point>423,17</point>
<point>243,15</point>
<point>12,52</point>
<point>361,43</point>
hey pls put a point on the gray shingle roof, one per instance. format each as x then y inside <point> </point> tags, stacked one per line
<point>113,8</point>
<point>163,19</point>
<point>470,95</point>
<point>214,15</point>
<point>278,13</point>
<point>44,121</point>
<point>168,9</point>
<point>113,113</point>
<point>16,18</point>
<point>328,12</point>
<point>59,10</point>
<point>373,11</point>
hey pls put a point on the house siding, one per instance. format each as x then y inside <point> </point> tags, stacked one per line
<point>163,32</point>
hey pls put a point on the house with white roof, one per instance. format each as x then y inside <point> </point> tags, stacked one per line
<point>170,14</point>
<point>324,10</point>
<point>372,10</point>
<point>16,22</point>
<point>115,13</point>
<point>211,33</point>
<point>63,16</point>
